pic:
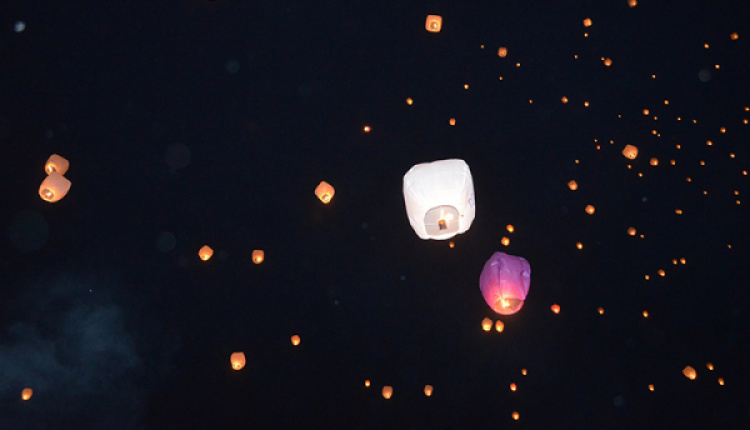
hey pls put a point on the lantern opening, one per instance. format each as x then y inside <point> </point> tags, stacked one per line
<point>438,221</point>
<point>505,306</point>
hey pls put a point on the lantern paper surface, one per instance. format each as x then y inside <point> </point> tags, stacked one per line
<point>56,163</point>
<point>238,360</point>
<point>27,393</point>
<point>505,282</point>
<point>54,187</point>
<point>439,198</point>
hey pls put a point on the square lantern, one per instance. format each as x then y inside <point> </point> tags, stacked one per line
<point>439,198</point>
<point>56,163</point>
<point>433,23</point>
<point>54,187</point>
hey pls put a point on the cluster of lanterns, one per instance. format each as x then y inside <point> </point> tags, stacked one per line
<point>55,186</point>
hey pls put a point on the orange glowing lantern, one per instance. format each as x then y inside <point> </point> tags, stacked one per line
<point>651,387</point>
<point>555,308</point>
<point>502,52</point>
<point>516,416</point>
<point>295,340</point>
<point>689,373</point>
<point>573,185</point>
<point>205,252</point>
<point>56,163</point>
<point>367,382</point>
<point>433,23</point>
<point>601,311</point>
<point>607,62</point>
<point>499,326</point>
<point>654,161</point>
<point>505,241</point>
<point>631,231</point>
<point>633,3</point>
<point>720,381</point>
<point>512,387</point>
<point>238,360</point>
<point>709,366</point>
<point>27,393</point>
<point>630,152</point>
<point>590,209</point>
<point>258,256</point>
<point>486,324</point>
<point>54,187</point>
<point>428,390</point>
<point>587,22</point>
<point>325,192</point>
<point>510,228</point>
<point>452,121</point>
<point>387,392</point>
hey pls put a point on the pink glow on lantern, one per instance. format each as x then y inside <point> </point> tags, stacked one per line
<point>505,282</point>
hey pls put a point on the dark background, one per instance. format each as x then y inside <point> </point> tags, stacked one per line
<point>107,312</point>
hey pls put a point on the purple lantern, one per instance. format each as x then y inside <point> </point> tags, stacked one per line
<point>505,282</point>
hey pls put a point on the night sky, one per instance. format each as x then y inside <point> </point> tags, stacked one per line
<point>193,122</point>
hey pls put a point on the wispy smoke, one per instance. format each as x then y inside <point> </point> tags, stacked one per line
<point>75,353</point>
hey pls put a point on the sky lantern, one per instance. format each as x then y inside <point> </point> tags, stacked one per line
<point>504,282</point>
<point>258,256</point>
<point>238,360</point>
<point>428,390</point>
<point>502,52</point>
<point>56,163</point>
<point>439,198</point>
<point>505,241</point>
<point>651,387</point>
<point>630,152</point>
<point>654,161</point>
<point>573,185</point>
<point>27,393</point>
<point>709,366</point>
<point>632,3</point>
<point>433,23</point>
<point>555,308</point>
<point>387,392</point>
<point>590,209</point>
<point>325,192</point>
<point>513,387</point>
<point>499,326</point>
<point>631,231</point>
<point>689,372</point>
<point>516,416</point>
<point>295,340</point>
<point>587,22</point>
<point>486,324</point>
<point>367,382</point>
<point>54,187</point>
<point>205,252</point>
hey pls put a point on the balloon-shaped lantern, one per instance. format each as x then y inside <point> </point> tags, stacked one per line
<point>505,282</point>
<point>439,198</point>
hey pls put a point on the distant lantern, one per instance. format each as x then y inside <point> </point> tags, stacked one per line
<point>505,241</point>
<point>564,99</point>
<point>633,3</point>
<point>295,340</point>
<point>258,256</point>
<point>651,387</point>
<point>734,36</point>
<point>433,23</point>
<point>54,187</point>
<point>590,209</point>
<point>499,326</point>
<point>555,308</point>
<point>579,245</point>
<point>439,198</point>
<point>27,393</point>
<point>709,366</point>
<point>524,372</point>
<point>238,360</point>
<point>510,228</point>
<point>513,387</point>
<point>689,372</point>
<point>515,416</point>
<point>587,22</point>
<point>451,244</point>
<point>720,381</point>
<point>409,101</point>
<point>601,311</point>
<point>654,161</point>
<point>504,282</point>
<point>573,185</point>
<point>367,382</point>
<point>486,324</point>
<point>325,192</point>
<point>607,62</point>
<point>56,163</point>
<point>387,392</point>
<point>205,252</point>
<point>428,390</point>
<point>631,231</point>
<point>366,129</point>
<point>630,152</point>
<point>502,52</point>
<point>452,121</point>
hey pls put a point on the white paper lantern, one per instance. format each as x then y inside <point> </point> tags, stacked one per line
<point>439,198</point>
